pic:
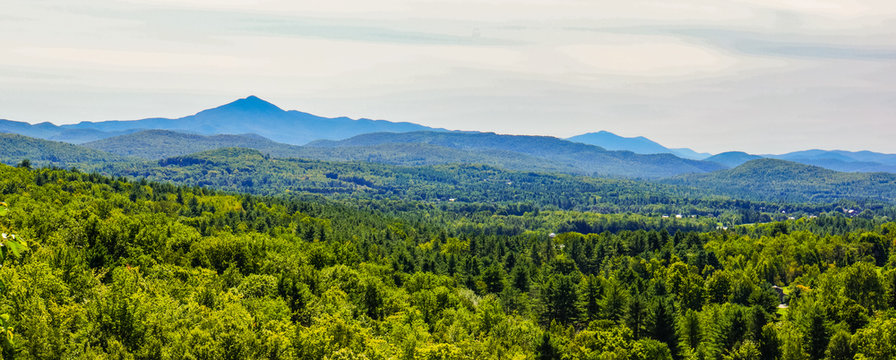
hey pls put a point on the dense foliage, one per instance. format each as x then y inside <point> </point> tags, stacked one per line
<point>437,169</point>
<point>464,188</point>
<point>45,152</point>
<point>127,269</point>
<point>785,181</point>
<point>583,158</point>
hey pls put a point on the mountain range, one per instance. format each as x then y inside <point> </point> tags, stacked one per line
<point>637,145</point>
<point>154,154</point>
<point>514,152</point>
<point>249,115</point>
<point>270,129</point>
<point>586,159</point>
<point>839,160</point>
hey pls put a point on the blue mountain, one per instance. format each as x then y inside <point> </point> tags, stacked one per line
<point>250,115</point>
<point>841,160</point>
<point>732,158</point>
<point>637,145</point>
<point>578,157</point>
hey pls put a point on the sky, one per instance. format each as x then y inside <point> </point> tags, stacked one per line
<point>762,76</point>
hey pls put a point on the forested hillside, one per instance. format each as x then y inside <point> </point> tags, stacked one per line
<point>757,192</point>
<point>160,144</point>
<point>458,186</point>
<point>785,181</point>
<point>16,148</point>
<point>122,269</point>
<point>586,159</point>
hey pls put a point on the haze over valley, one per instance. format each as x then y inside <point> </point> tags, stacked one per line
<point>446,179</point>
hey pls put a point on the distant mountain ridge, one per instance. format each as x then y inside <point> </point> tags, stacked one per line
<point>40,152</point>
<point>252,115</point>
<point>841,160</point>
<point>247,115</point>
<point>732,158</point>
<point>838,160</point>
<point>638,145</point>
<point>780,180</point>
<point>526,153</point>
<point>586,159</point>
<point>769,180</point>
<point>160,144</point>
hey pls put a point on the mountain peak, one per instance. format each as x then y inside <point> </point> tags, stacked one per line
<point>250,103</point>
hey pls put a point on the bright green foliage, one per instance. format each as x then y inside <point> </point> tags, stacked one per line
<point>137,269</point>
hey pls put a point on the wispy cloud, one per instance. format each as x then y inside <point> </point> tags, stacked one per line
<point>781,74</point>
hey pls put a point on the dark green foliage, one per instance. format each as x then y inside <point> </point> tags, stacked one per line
<point>817,333</point>
<point>119,268</point>
<point>661,323</point>
<point>785,181</point>
<point>546,349</point>
<point>840,347</point>
<point>560,300</point>
<point>615,297</point>
<point>592,292</point>
<point>768,343</point>
<point>636,316</point>
<point>690,331</point>
<point>17,149</point>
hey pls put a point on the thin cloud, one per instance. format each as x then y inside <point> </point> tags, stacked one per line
<point>780,74</point>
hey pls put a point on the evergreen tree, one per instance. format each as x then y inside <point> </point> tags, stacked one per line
<point>817,335</point>
<point>591,297</point>
<point>546,350</point>
<point>560,300</point>
<point>613,302</point>
<point>493,278</point>
<point>690,333</point>
<point>520,278</point>
<point>840,347</point>
<point>636,315</point>
<point>769,343</point>
<point>661,323</point>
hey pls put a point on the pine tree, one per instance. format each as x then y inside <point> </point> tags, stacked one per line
<point>546,350</point>
<point>816,333</point>
<point>769,343</point>
<point>559,300</point>
<point>636,315</point>
<point>591,296</point>
<point>689,331</point>
<point>840,347</point>
<point>613,302</point>
<point>661,323</point>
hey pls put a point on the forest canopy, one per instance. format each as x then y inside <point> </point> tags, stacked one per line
<point>117,268</point>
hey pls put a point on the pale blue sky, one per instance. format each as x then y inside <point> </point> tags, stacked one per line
<point>761,76</point>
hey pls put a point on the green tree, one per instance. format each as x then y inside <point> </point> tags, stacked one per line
<point>661,323</point>
<point>546,350</point>
<point>840,347</point>
<point>560,300</point>
<point>747,350</point>
<point>613,302</point>
<point>591,297</point>
<point>636,315</point>
<point>690,333</point>
<point>816,330</point>
<point>769,344</point>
